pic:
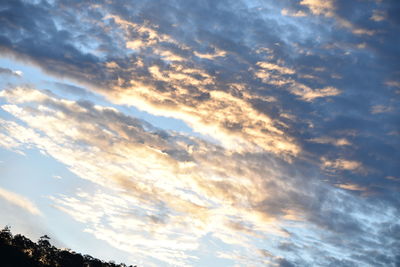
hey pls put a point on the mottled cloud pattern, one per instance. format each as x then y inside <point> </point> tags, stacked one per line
<point>296,103</point>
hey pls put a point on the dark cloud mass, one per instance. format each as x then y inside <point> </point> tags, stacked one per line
<point>310,88</point>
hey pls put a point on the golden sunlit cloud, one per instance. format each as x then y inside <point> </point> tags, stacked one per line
<point>341,164</point>
<point>204,188</point>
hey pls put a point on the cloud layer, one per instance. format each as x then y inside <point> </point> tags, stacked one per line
<point>297,103</point>
<point>168,191</point>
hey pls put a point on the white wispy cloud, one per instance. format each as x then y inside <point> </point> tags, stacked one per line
<point>20,201</point>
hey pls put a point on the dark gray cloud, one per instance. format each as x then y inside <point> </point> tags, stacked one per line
<point>285,263</point>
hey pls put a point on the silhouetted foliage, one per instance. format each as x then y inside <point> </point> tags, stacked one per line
<point>19,251</point>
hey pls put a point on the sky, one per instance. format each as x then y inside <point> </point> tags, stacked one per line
<point>203,133</point>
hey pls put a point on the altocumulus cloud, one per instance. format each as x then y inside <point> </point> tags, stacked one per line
<point>301,97</point>
<point>236,198</point>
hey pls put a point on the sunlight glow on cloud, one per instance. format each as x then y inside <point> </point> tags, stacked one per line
<point>341,164</point>
<point>205,189</point>
<point>320,7</point>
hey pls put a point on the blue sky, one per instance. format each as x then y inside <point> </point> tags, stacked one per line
<point>203,133</point>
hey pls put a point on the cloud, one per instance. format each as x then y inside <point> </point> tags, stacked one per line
<point>210,56</point>
<point>190,93</point>
<point>247,111</point>
<point>352,187</point>
<point>392,83</point>
<point>381,109</point>
<point>163,191</point>
<point>274,67</point>
<point>276,75</point>
<point>342,164</point>
<point>287,12</point>
<point>20,201</point>
<point>172,201</point>
<point>328,8</point>
<point>330,140</point>
<point>320,7</point>
<point>310,95</point>
<point>378,15</point>
<point>7,71</point>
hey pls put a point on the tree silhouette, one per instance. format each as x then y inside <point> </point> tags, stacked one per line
<point>19,251</point>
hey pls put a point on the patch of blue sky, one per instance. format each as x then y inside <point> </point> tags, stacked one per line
<point>39,176</point>
<point>205,258</point>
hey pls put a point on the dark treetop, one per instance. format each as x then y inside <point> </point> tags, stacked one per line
<point>19,251</point>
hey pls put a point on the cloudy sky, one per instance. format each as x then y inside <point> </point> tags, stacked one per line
<point>203,132</point>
